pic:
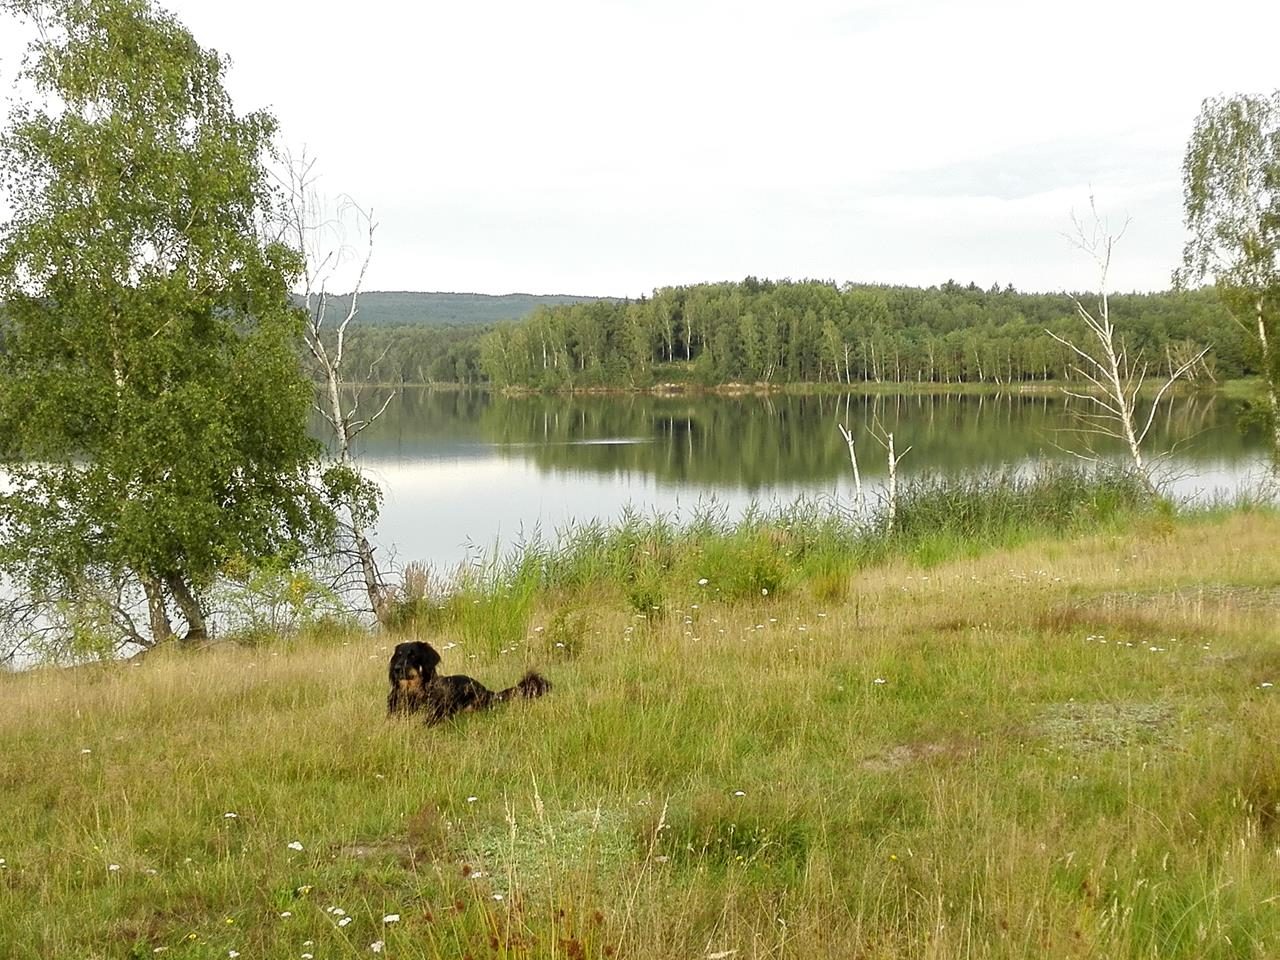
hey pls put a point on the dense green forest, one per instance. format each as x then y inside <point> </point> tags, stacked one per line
<point>758,331</point>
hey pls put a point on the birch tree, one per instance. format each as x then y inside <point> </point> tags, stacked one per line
<point>321,238</point>
<point>151,401</point>
<point>1112,377</point>
<point>1231,177</point>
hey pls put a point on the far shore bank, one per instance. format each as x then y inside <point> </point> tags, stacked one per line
<point>1240,389</point>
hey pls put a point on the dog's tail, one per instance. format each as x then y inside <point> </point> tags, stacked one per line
<point>531,685</point>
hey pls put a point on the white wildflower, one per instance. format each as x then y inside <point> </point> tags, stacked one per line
<point>230,816</point>
<point>377,946</point>
<point>344,921</point>
<point>391,918</point>
<point>703,582</point>
<point>295,845</point>
<point>113,867</point>
<point>879,680</point>
<point>286,914</point>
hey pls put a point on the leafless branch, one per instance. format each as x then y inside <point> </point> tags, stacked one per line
<point>1105,362</point>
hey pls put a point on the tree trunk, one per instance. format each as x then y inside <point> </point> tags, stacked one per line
<point>1272,398</point>
<point>161,628</point>
<point>190,607</point>
<point>364,550</point>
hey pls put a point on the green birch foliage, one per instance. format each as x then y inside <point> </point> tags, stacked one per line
<point>150,389</point>
<point>1231,178</point>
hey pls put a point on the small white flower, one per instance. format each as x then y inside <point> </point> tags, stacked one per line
<point>308,943</point>
<point>113,867</point>
<point>230,816</point>
<point>1266,684</point>
<point>308,956</point>
<point>739,793</point>
<point>233,954</point>
<point>336,911</point>
<point>703,582</point>
<point>344,921</point>
<point>472,799</point>
<point>497,896</point>
<point>377,946</point>
<point>879,680</point>
<point>295,845</point>
<point>764,591</point>
<point>286,914</point>
<point>86,750</point>
<point>391,918</point>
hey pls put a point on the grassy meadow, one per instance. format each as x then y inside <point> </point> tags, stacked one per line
<point>1056,745</point>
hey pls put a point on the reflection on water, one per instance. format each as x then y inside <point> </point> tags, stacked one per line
<point>474,468</point>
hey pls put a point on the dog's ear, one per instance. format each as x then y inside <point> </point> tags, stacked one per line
<point>426,657</point>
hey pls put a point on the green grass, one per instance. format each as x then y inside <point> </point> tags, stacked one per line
<point>1071,754</point>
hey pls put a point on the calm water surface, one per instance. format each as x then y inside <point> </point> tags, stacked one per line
<point>463,472</point>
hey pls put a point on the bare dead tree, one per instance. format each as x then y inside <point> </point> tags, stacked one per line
<point>853,459</point>
<point>885,439</point>
<point>1105,364</point>
<point>321,239</point>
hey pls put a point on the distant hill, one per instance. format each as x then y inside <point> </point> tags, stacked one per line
<point>398,307</point>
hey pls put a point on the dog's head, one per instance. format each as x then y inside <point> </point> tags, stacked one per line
<point>412,664</point>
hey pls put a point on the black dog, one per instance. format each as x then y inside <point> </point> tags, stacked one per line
<point>417,688</point>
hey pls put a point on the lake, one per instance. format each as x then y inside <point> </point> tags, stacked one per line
<point>465,471</point>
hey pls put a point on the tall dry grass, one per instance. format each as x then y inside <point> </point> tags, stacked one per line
<point>1063,748</point>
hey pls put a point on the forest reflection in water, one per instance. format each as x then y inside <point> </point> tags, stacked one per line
<point>463,471</point>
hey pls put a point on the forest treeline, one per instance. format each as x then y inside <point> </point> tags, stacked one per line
<point>758,331</point>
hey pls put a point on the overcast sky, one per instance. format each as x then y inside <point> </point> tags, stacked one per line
<point>578,146</point>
